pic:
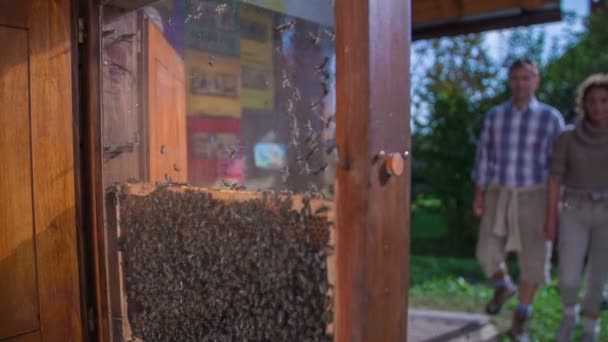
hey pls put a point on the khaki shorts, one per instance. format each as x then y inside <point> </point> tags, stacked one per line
<point>491,251</point>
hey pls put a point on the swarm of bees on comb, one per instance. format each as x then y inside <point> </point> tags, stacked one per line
<point>201,269</point>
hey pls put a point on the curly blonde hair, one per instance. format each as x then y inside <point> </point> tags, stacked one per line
<point>591,82</point>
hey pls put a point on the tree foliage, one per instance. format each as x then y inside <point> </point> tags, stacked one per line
<point>586,55</point>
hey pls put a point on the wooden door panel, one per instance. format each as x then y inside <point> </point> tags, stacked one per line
<point>39,275</point>
<point>53,168</point>
<point>166,109</point>
<point>18,287</point>
<point>14,13</point>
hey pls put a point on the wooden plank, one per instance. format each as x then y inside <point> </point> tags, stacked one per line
<point>14,13</point>
<point>436,11</point>
<point>473,7</point>
<point>122,115</point>
<point>143,189</point>
<point>453,28</point>
<point>128,5</point>
<point>118,308</point>
<point>372,212</point>
<point>18,288</point>
<point>166,109</point>
<point>53,169</point>
<point>93,162</point>
<point>29,337</point>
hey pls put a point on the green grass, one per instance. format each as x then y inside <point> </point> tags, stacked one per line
<point>458,285</point>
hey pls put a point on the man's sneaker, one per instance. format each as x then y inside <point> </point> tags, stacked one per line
<point>565,333</point>
<point>519,327</point>
<point>589,337</point>
<point>501,295</point>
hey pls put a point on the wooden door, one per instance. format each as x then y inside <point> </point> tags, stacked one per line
<point>166,109</point>
<point>39,287</point>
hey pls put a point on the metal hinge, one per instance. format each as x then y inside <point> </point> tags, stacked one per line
<point>91,319</point>
<point>81,34</point>
<point>139,39</point>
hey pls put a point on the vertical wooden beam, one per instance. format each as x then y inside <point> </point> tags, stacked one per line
<point>53,178</point>
<point>92,177</point>
<point>373,114</point>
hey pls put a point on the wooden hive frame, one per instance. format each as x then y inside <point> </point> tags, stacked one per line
<point>118,304</point>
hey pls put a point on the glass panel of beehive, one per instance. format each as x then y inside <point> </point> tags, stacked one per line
<point>218,165</point>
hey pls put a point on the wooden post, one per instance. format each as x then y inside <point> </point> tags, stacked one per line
<point>373,115</point>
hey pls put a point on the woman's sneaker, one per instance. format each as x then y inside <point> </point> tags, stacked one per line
<point>589,337</point>
<point>565,333</point>
<point>519,327</point>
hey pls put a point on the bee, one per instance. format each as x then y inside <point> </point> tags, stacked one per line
<point>127,37</point>
<point>176,167</point>
<point>285,82</point>
<point>233,150</point>
<point>321,169</point>
<point>289,106</point>
<point>237,186</point>
<point>322,209</point>
<point>305,169</point>
<point>118,66</point>
<point>162,149</point>
<point>329,120</point>
<point>296,96</point>
<point>221,8</point>
<point>325,75</point>
<point>331,146</point>
<point>314,38</point>
<point>285,173</point>
<point>325,88</point>
<point>323,64</point>
<point>107,33</point>
<point>211,60</point>
<point>309,126</point>
<point>312,151</point>
<point>331,35</point>
<point>286,26</point>
<point>310,137</point>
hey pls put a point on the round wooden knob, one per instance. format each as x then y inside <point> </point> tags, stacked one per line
<point>394,164</point>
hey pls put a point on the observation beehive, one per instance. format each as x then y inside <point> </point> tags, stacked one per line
<point>220,265</point>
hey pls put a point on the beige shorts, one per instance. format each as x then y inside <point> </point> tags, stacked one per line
<point>532,257</point>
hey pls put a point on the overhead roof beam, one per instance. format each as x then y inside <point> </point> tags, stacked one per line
<point>476,24</point>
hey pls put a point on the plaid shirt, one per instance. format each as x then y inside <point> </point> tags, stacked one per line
<point>515,147</point>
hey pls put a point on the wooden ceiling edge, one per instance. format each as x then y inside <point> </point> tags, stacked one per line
<point>486,23</point>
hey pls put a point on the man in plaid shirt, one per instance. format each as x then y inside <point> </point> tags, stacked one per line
<point>510,176</point>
